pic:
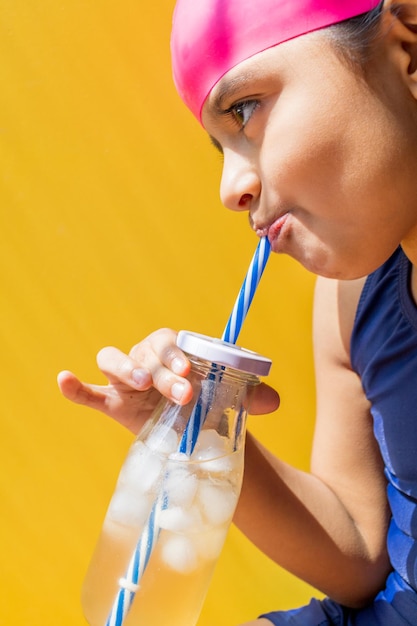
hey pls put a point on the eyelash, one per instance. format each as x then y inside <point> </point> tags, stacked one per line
<point>233,111</point>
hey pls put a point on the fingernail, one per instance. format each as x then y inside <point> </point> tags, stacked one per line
<point>177,391</point>
<point>177,365</point>
<point>140,377</point>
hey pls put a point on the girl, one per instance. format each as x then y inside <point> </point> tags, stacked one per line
<point>313,104</point>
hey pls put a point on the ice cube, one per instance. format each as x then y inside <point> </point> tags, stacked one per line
<point>210,544</point>
<point>215,461</point>
<point>127,508</point>
<point>178,552</point>
<point>142,470</point>
<point>178,520</point>
<point>180,486</point>
<point>214,451</point>
<point>217,502</point>
<point>132,466</point>
<point>210,439</point>
<point>163,439</point>
<point>179,457</point>
<point>152,473</point>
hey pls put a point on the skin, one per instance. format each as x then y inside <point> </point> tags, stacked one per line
<point>309,142</point>
<point>305,137</point>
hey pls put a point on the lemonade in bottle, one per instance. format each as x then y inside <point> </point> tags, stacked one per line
<point>175,497</point>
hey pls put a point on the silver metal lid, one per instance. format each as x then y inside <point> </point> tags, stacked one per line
<point>223,353</point>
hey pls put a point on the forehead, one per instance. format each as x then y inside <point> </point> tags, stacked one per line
<point>267,70</point>
<point>209,37</point>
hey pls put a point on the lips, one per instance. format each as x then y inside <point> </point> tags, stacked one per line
<point>273,231</point>
<point>276,227</point>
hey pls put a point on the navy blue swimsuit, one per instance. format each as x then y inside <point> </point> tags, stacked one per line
<point>384,354</point>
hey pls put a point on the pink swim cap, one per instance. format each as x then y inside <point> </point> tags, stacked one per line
<point>209,37</point>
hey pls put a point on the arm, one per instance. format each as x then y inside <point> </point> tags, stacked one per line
<point>328,526</point>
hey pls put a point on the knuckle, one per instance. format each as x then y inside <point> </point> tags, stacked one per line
<point>169,354</point>
<point>158,346</point>
<point>163,380</point>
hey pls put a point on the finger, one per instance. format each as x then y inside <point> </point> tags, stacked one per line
<point>168,365</point>
<point>119,367</point>
<point>147,364</point>
<point>160,348</point>
<point>263,399</point>
<point>93,396</point>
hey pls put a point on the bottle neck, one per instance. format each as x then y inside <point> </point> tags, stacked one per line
<point>228,374</point>
<point>222,394</point>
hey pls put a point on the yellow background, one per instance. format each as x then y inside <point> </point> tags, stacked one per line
<point>110,227</point>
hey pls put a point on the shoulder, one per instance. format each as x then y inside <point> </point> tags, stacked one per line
<point>335,306</point>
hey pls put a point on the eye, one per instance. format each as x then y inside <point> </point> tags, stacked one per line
<point>243,111</point>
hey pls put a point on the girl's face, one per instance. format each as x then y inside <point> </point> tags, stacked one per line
<point>325,165</point>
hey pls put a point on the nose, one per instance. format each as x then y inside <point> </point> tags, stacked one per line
<point>240,185</point>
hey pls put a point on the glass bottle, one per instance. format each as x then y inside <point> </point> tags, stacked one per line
<point>175,496</point>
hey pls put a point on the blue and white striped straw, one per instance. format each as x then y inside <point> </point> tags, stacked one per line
<point>129,585</point>
<point>230,334</point>
<point>247,291</point>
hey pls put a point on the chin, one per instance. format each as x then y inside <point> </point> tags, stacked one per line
<point>341,262</point>
<point>329,265</point>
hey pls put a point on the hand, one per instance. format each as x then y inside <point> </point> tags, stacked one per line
<point>155,367</point>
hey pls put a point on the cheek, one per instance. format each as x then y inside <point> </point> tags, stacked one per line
<point>309,132</point>
<point>331,145</point>
<point>302,159</point>
<point>318,155</point>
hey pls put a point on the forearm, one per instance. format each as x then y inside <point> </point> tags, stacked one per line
<point>299,522</point>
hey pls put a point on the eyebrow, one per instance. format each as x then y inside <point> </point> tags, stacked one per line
<point>227,88</point>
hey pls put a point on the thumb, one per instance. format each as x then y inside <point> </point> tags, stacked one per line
<point>263,399</point>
